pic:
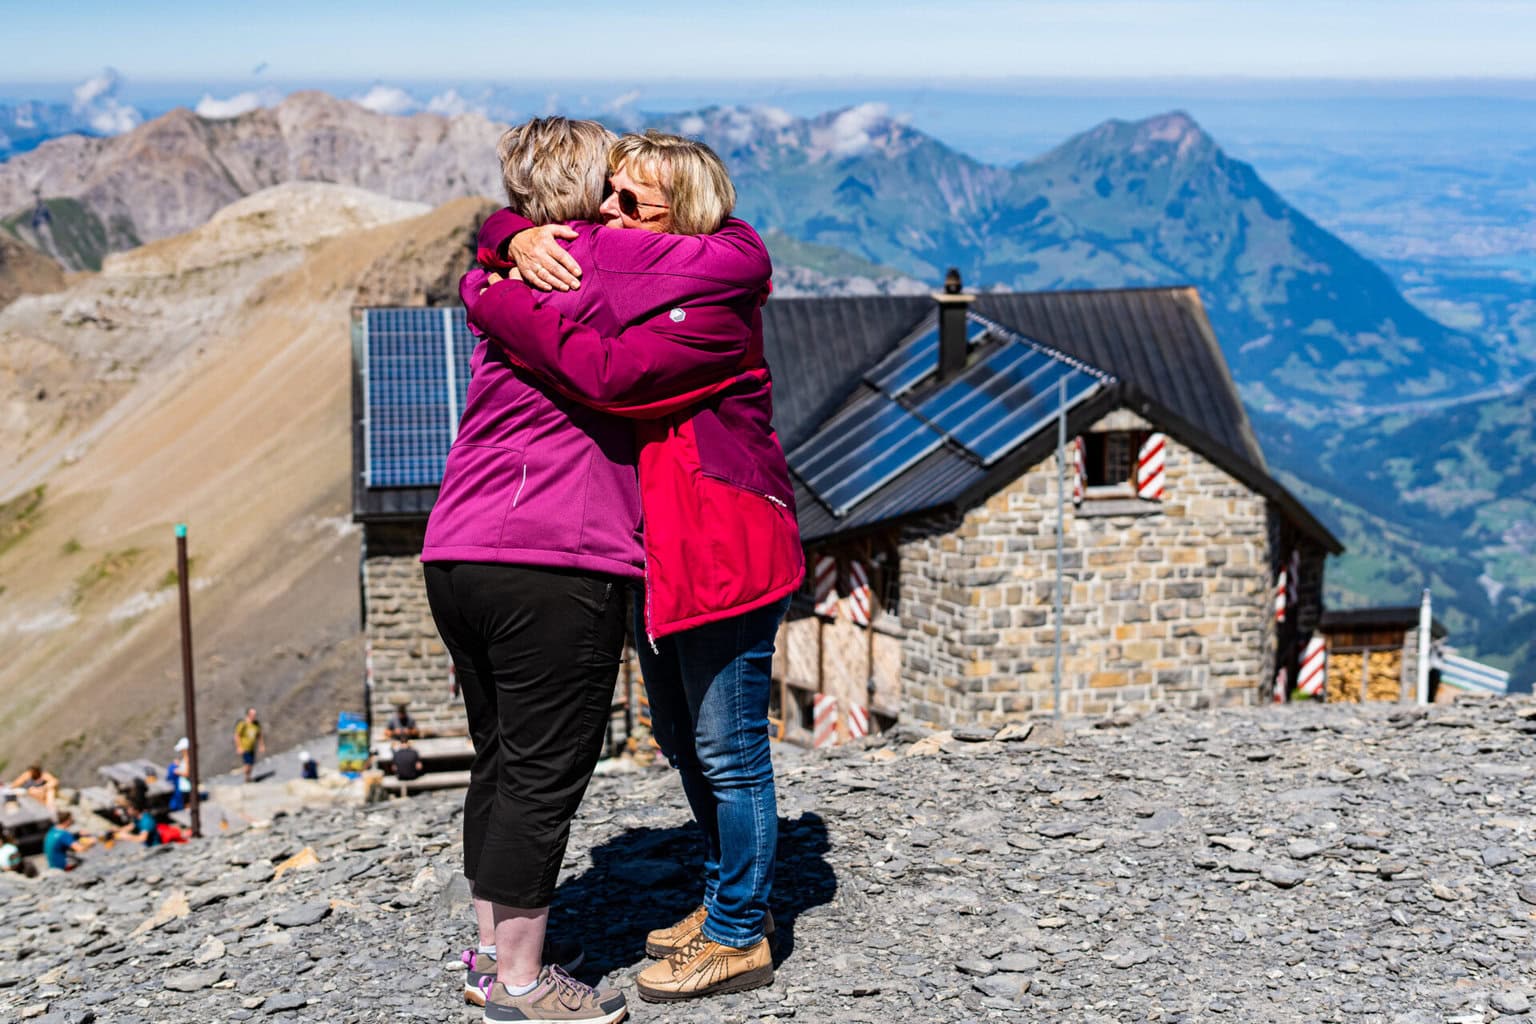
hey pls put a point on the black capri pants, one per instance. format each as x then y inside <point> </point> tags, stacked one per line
<point>537,655</point>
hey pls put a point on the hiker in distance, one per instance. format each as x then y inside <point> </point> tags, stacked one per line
<point>250,741</point>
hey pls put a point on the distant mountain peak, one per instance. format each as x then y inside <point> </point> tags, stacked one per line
<point>1174,138</point>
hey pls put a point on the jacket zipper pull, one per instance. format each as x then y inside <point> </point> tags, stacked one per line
<point>776,501</point>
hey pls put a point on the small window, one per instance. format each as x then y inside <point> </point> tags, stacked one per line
<point>1111,459</point>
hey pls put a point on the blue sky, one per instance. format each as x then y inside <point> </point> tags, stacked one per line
<point>645,42</point>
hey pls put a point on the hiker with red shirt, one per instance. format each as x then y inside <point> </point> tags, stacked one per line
<point>722,546</point>
<point>535,537</point>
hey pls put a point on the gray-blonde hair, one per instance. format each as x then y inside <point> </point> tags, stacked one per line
<point>689,174</point>
<point>554,168</point>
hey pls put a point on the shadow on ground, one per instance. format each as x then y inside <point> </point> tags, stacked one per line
<point>648,878</point>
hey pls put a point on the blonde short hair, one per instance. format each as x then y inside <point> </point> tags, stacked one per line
<point>689,175</point>
<point>555,168</point>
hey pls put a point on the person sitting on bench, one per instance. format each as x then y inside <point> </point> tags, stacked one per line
<point>407,762</point>
<point>401,725</point>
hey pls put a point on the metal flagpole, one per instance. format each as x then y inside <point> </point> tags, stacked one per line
<point>1426,623</point>
<point>1061,513</point>
<point>189,697</point>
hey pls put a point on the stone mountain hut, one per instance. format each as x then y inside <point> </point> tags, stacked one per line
<point>922,436</point>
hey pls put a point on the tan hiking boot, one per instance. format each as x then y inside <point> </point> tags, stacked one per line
<point>556,996</point>
<point>706,968</point>
<point>663,942</point>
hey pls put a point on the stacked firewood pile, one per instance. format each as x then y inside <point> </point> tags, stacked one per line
<point>1384,682</point>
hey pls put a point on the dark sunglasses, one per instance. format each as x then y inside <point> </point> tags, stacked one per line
<point>629,203</point>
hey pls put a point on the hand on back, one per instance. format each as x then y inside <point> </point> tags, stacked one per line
<point>542,261</point>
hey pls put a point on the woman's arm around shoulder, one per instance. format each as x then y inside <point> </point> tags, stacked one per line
<point>649,369</point>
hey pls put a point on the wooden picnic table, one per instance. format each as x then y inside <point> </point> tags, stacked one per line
<point>26,818</point>
<point>123,774</point>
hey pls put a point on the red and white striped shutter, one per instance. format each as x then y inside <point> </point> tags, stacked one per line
<point>824,730</point>
<point>1282,593</point>
<point>1079,470</point>
<point>1149,468</point>
<point>826,586</point>
<point>1314,668</point>
<point>1280,680</point>
<point>860,597</point>
<point>858,721</point>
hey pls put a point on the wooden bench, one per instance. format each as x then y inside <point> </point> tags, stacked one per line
<point>437,753</point>
<point>426,783</point>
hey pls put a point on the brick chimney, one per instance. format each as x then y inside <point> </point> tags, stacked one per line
<point>953,303</point>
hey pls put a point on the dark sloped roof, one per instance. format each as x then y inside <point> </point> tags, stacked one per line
<point>1157,342</point>
<point>1157,339</point>
<point>1404,617</point>
<point>819,348</point>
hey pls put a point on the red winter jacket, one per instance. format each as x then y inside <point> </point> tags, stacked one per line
<point>720,533</point>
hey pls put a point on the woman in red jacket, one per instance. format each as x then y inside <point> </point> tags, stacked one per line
<point>722,547</point>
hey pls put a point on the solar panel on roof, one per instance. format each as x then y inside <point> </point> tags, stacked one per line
<point>861,450</point>
<point>916,359</point>
<point>415,373</point>
<point>1001,402</point>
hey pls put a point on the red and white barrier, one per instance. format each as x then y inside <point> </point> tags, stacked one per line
<point>858,721</point>
<point>1281,678</point>
<point>824,734</point>
<point>1282,594</point>
<point>826,585</point>
<point>1079,470</point>
<point>860,595</point>
<point>1149,468</point>
<point>1313,677</point>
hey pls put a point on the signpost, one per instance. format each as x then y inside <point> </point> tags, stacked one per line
<point>189,696</point>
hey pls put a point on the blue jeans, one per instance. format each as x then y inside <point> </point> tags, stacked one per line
<point>708,687</point>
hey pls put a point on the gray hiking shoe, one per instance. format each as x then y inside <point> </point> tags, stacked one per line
<point>556,996</point>
<point>480,968</point>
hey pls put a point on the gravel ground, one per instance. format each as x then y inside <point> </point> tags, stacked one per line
<point>1272,864</point>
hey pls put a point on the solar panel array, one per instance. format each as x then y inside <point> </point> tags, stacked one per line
<point>988,410</point>
<point>415,374</point>
<point>860,449</point>
<point>999,403</point>
<point>916,359</point>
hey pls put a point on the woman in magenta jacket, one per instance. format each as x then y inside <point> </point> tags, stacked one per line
<point>722,547</point>
<point>535,533</point>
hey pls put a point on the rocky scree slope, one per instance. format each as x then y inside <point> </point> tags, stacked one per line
<point>1291,864</point>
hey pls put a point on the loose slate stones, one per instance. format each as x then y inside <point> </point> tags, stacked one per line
<point>957,887</point>
<point>1512,1002</point>
<point>1498,856</point>
<point>1282,876</point>
<point>302,915</point>
<point>193,981</point>
<point>280,1001</point>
